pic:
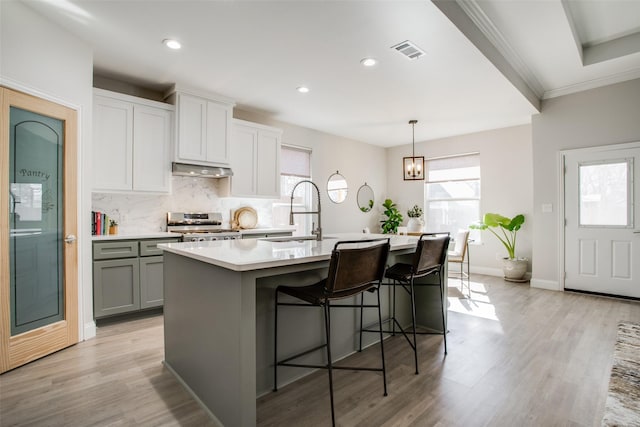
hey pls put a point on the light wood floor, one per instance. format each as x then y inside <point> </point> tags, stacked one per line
<point>517,357</point>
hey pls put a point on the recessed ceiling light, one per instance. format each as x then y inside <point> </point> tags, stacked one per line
<point>172,44</point>
<point>302,89</point>
<point>368,62</point>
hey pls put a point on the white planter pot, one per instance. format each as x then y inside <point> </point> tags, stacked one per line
<point>514,269</point>
<point>415,225</point>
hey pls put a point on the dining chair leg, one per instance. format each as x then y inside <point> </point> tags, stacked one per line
<point>275,346</point>
<point>413,321</point>
<point>384,370</point>
<point>327,328</point>
<point>468,273</point>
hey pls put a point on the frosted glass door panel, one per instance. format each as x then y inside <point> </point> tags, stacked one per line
<point>604,194</point>
<point>35,220</point>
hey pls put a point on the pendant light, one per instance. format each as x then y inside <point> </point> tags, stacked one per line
<point>413,167</point>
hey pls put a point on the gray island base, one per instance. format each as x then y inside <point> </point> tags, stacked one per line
<point>218,316</point>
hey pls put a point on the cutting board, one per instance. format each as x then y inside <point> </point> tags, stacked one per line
<point>244,218</point>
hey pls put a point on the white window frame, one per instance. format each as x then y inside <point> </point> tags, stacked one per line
<point>285,199</point>
<point>474,234</point>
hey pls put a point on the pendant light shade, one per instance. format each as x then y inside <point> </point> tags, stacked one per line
<point>413,167</point>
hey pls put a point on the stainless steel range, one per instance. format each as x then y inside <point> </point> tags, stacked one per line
<point>199,226</point>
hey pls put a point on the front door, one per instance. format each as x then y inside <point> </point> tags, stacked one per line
<point>38,252</point>
<point>602,227</point>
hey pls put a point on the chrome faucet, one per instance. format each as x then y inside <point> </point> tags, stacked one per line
<point>317,231</point>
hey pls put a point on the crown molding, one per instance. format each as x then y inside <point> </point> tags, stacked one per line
<point>593,84</point>
<point>495,37</point>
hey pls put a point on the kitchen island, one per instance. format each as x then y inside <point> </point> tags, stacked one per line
<point>218,316</point>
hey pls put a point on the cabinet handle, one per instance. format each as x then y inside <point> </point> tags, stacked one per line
<point>70,238</point>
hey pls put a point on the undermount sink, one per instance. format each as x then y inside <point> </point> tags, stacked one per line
<point>295,238</point>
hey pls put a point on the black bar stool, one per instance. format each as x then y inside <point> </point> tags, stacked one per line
<point>355,267</point>
<point>428,259</point>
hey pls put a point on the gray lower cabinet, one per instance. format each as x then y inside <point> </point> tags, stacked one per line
<point>127,276</point>
<point>151,289</point>
<point>116,286</point>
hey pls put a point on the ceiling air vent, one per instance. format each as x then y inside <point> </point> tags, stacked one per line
<point>409,49</point>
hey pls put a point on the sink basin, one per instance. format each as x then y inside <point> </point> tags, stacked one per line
<point>294,238</point>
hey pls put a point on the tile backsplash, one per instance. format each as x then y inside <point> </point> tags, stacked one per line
<point>147,212</point>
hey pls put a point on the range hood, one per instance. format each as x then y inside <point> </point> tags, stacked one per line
<point>199,171</point>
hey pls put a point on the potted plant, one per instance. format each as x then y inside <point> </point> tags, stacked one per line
<point>394,217</point>
<point>113,227</point>
<point>415,223</point>
<point>506,230</point>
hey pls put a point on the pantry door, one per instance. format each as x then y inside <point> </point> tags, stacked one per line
<point>38,260</point>
<point>602,227</point>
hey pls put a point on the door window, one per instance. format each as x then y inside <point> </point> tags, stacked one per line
<point>605,189</point>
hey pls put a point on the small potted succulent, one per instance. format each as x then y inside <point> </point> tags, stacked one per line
<point>415,223</point>
<point>113,226</point>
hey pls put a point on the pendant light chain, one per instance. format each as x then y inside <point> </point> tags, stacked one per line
<point>412,169</point>
<point>413,138</point>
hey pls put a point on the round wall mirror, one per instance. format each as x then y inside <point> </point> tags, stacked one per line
<point>337,188</point>
<point>365,198</point>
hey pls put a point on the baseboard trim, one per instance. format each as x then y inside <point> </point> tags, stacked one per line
<point>551,285</point>
<point>487,271</point>
<point>89,330</point>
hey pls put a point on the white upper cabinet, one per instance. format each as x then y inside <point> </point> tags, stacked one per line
<point>255,160</point>
<point>152,149</point>
<point>192,128</point>
<point>112,144</point>
<point>203,127</point>
<point>131,143</point>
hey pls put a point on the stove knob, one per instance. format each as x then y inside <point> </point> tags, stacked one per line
<point>194,239</point>
<point>201,239</point>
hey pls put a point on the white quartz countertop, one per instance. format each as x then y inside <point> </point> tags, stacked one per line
<point>255,254</point>
<point>141,235</point>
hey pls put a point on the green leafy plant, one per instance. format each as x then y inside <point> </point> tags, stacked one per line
<point>508,228</point>
<point>367,208</point>
<point>415,212</point>
<point>394,217</point>
<point>113,223</point>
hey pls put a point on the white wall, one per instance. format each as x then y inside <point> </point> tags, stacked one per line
<point>506,184</point>
<point>357,162</point>
<point>603,116</point>
<point>43,59</point>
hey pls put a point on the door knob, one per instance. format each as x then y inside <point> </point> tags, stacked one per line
<point>70,238</point>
